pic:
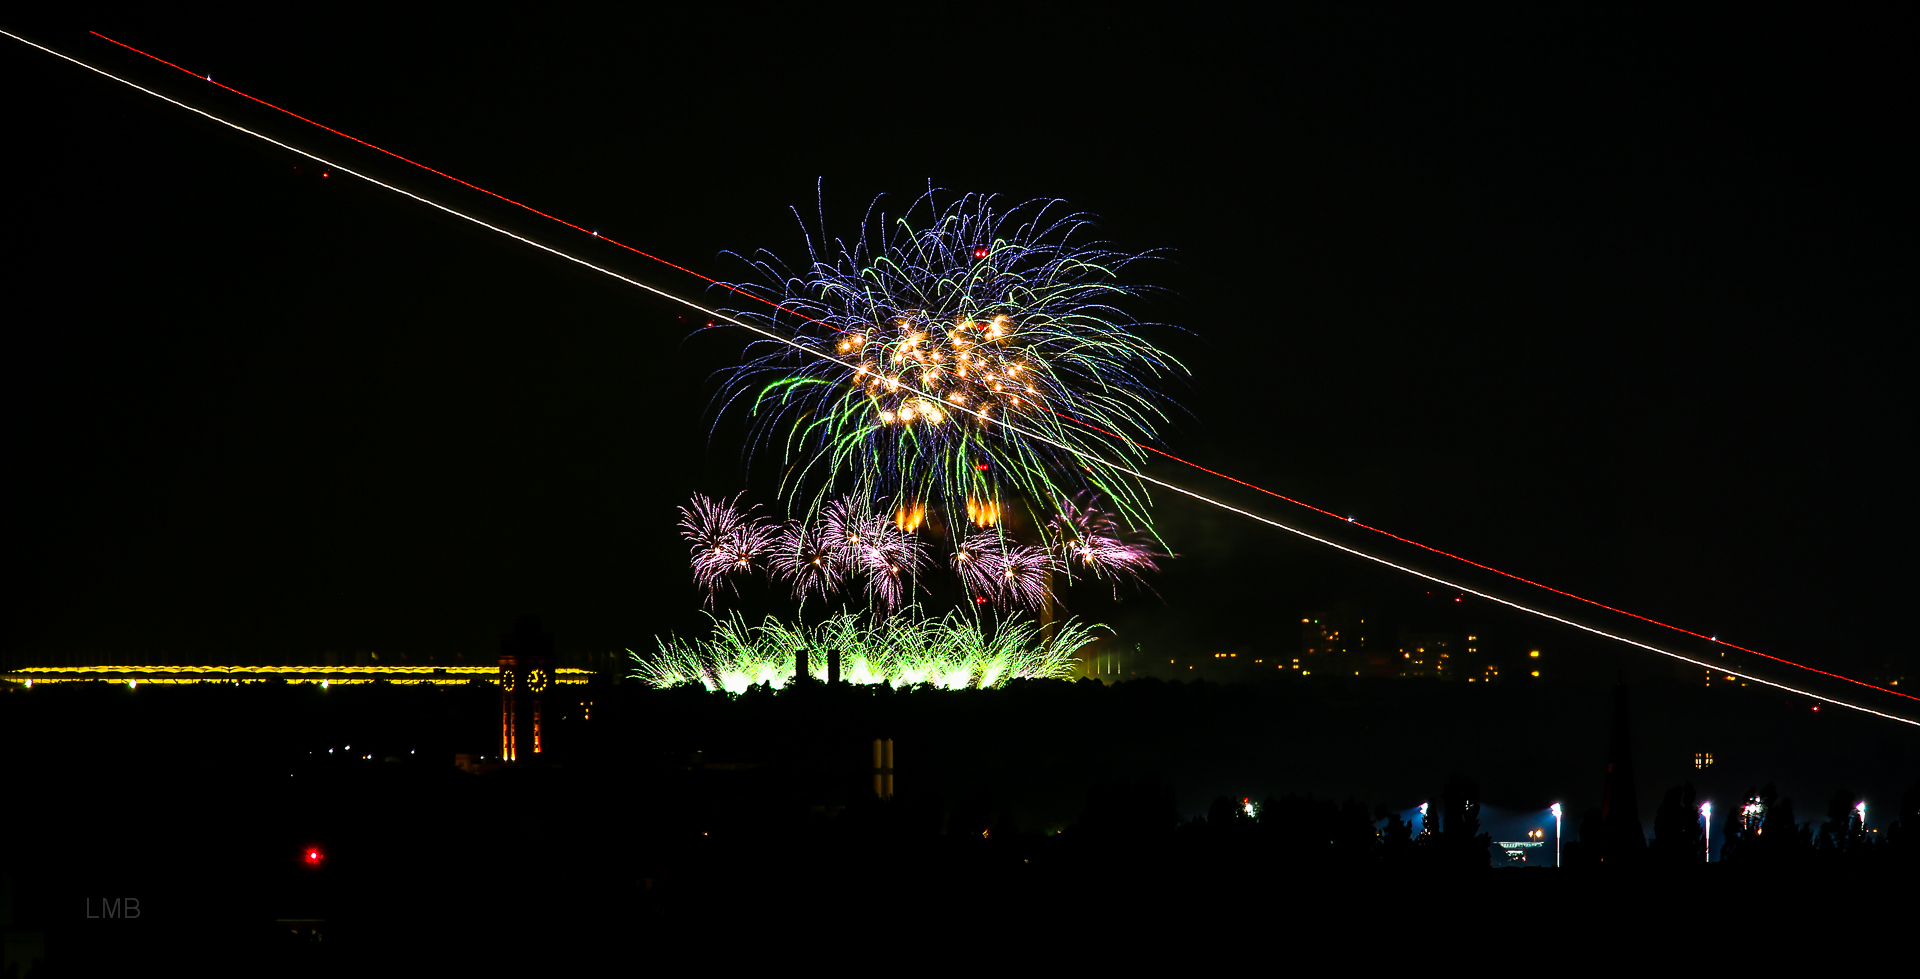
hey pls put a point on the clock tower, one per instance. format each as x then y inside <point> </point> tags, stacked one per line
<point>526,671</point>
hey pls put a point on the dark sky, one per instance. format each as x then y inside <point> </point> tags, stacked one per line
<point>1610,302</point>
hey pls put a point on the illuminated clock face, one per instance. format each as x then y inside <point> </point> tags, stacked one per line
<point>537,680</point>
<point>506,678</point>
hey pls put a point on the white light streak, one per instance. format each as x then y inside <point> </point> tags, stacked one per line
<point>828,356</point>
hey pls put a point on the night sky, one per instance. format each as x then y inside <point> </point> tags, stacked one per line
<point>1609,302</point>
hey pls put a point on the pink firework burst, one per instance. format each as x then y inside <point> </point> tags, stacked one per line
<point>889,559</point>
<point>1089,541</point>
<point>802,556</point>
<point>727,540</point>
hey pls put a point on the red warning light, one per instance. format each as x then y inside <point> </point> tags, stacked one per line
<point>980,253</point>
<point>980,466</point>
<point>979,599</point>
<point>313,856</point>
<point>1816,708</point>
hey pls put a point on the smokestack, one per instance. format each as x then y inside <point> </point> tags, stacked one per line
<point>883,768</point>
<point>800,672</point>
<point>833,667</point>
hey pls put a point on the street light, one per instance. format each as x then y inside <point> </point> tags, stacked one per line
<point>1706,823</point>
<point>1556,834</point>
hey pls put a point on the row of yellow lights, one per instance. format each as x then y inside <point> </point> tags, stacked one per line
<point>255,674</point>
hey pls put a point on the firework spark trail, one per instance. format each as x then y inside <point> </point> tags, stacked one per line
<point>662,293</point>
<point>1068,418</point>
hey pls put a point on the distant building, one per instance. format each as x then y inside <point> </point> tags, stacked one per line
<point>1334,643</point>
<point>1450,654</point>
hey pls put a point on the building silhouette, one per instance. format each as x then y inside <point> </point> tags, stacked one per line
<point>1622,839</point>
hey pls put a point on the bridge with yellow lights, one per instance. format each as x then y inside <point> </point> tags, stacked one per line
<point>323,675</point>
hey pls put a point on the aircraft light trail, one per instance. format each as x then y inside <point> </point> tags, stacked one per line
<point>1084,456</point>
<point>1113,435</point>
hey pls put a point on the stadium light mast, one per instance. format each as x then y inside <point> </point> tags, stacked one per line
<point>1556,833</point>
<point>1706,825</point>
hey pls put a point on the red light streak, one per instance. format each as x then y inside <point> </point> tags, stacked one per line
<point>463,183</point>
<point>1112,435</point>
<point>1463,560</point>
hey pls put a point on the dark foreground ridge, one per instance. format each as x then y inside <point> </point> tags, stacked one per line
<point>288,826</point>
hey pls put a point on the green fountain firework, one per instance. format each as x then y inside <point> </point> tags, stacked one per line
<point>951,652</point>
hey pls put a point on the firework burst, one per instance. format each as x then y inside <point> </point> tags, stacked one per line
<point>727,541</point>
<point>935,325</point>
<point>903,650</point>
<point>973,560</point>
<point>1021,575</point>
<point>846,543</point>
<point>889,559</point>
<point>804,557</point>
<point>1087,540</point>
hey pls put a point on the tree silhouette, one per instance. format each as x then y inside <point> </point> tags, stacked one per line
<point>1396,838</point>
<point>1736,837</point>
<point>1779,842</point>
<point>1676,829</point>
<point>1842,838</point>
<point>1354,838</point>
<point>1462,843</point>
